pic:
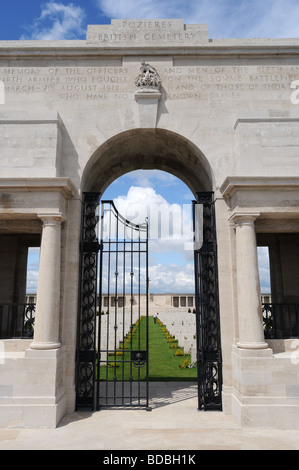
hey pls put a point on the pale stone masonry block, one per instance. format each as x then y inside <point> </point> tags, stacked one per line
<point>31,140</point>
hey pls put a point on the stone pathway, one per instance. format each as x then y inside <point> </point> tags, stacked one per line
<point>173,424</point>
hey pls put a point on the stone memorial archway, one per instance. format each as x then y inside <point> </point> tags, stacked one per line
<point>151,94</point>
<point>163,150</point>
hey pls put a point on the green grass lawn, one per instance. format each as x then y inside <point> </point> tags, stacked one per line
<point>163,364</point>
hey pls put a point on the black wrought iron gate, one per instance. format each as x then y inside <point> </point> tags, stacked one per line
<point>112,347</point>
<point>112,350</point>
<point>209,361</point>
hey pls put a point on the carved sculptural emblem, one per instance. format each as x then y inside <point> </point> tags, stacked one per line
<point>148,80</point>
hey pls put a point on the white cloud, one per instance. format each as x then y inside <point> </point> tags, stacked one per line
<point>270,18</point>
<point>264,270</point>
<point>171,278</point>
<point>148,178</point>
<point>32,279</point>
<point>57,21</point>
<point>170,223</point>
<point>225,18</point>
<point>32,270</point>
<point>141,8</point>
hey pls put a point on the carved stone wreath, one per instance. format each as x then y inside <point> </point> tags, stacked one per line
<point>148,80</point>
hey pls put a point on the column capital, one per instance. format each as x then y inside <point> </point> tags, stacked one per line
<point>240,218</point>
<point>52,217</point>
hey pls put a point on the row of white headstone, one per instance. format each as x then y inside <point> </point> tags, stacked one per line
<point>180,324</point>
<point>114,329</point>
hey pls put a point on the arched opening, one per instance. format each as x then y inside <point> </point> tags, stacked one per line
<point>148,150</point>
<point>166,202</point>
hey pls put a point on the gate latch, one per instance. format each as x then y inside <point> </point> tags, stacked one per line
<point>139,358</point>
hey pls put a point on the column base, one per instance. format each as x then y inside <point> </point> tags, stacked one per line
<point>32,386</point>
<point>44,345</point>
<point>265,393</point>
<point>252,345</point>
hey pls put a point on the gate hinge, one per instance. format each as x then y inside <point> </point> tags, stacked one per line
<point>87,356</point>
<point>91,247</point>
<point>211,356</point>
<point>208,247</point>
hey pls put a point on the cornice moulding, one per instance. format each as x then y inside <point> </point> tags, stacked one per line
<point>70,50</point>
<point>64,185</point>
<point>235,183</point>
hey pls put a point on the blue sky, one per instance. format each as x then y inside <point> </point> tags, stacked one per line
<point>226,18</point>
<point>58,20</point>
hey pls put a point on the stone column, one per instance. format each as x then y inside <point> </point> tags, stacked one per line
<point>251,334</point>
<point>46,328</point>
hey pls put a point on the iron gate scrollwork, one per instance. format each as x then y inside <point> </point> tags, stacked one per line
<point>209,358</point>
<point>86,343</point>
<point>112,344</point>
